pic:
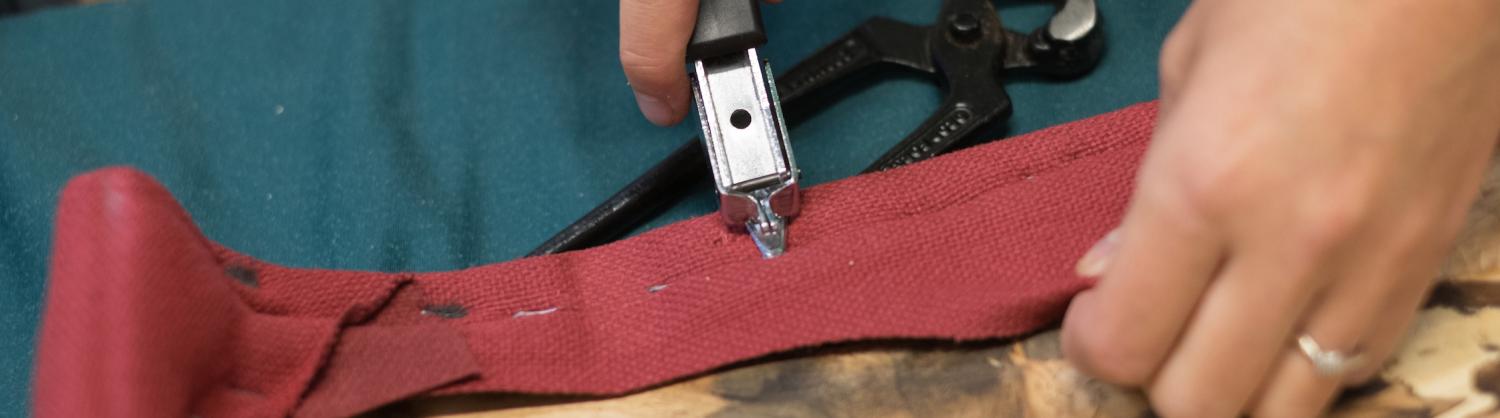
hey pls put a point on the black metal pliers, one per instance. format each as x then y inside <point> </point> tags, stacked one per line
<point>967,51</point>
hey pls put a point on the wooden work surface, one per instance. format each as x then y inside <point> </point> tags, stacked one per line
<point>1450,367</point>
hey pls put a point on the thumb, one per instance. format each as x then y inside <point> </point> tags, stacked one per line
<point>653,43</point>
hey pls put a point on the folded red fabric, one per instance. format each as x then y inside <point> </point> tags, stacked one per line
<point>145,317</point>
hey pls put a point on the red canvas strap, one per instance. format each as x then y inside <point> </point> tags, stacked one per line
<point>145,317</point>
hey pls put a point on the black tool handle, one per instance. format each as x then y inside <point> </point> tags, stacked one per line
<point>647,196</point>
<point>726,27</point>
<point>878,40</point>
<point>956,121</point>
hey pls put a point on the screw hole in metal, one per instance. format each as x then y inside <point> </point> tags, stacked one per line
<point>740,118</point>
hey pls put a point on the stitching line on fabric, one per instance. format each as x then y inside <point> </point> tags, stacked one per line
<point>1070,157</point>
<point>539,312</point>
<point>1026,174</point>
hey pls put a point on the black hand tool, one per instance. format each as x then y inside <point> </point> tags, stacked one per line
<point>967,51</point>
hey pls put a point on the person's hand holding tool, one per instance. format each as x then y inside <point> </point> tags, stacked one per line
<point>654,36</point>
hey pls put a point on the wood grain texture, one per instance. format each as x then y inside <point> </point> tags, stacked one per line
<point>1449,367</point>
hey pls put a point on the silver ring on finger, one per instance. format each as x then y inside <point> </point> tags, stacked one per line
<point>1328,362</point>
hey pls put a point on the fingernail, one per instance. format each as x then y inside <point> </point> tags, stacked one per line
<point>656,110</point>
<point>1097,260</point>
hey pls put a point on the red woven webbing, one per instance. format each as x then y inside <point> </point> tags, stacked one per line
<point>147,318</point>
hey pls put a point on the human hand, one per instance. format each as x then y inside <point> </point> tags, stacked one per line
<point>1312,165</point>
<point>654,35</point>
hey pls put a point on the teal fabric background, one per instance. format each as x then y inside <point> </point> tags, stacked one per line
<point>411,135</point>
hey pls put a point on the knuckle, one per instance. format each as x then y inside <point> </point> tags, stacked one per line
<point>1212,192</point>
<point>646,63</point>
<point>1328,227</point>
<point>1178,50</point>
<point>1174,59</point>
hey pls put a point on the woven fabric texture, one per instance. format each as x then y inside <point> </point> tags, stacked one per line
<point>147,317</point>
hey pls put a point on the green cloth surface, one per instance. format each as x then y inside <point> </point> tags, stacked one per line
<point>412,135</point>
